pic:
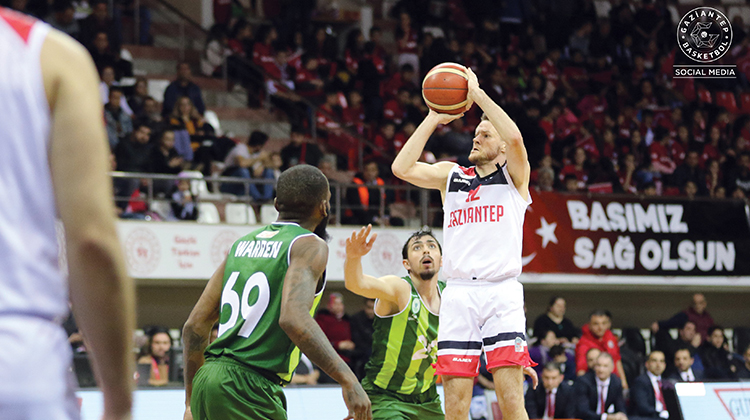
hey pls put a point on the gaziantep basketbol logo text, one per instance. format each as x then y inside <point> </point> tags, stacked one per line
<point>704,34</point>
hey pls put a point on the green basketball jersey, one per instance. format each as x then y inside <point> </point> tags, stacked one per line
<point>249,329</point>
<point>404,348</point>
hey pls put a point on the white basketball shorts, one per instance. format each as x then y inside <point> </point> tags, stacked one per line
<point>477,316</point>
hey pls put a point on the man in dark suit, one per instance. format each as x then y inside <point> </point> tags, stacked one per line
<point>646,394</point>
<point>688,337</point>
<point>683,367</point>
<point>554,399</point>
<point>599,393</point>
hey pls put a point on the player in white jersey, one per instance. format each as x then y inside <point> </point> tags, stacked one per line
<point>53,163</point>
<point>484,206</point>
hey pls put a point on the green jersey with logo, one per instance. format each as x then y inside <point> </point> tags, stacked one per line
<point>249,330</point>
<point>404,348</point>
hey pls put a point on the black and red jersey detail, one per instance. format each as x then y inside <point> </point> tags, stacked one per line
<point>466,184</point>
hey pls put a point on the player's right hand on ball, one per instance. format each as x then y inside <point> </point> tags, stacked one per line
<point>357,402</point>
<point>358,245</point>
<point>444,118</point>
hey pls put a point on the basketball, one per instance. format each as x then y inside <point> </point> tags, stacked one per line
<point>445,87</point>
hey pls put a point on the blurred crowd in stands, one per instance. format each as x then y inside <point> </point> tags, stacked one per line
<point>588,371</point>
<point>591,90</point>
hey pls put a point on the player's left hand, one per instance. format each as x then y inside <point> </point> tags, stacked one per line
<point>188,414</point>
<point>358,245</point>
<point>472,85</point>
<point>532,374</point>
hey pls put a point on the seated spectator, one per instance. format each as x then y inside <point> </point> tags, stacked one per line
<point>246,160</point>
<point>183,204</point>
<point>395,109</point>
<point>139,97</point>
<point>307,81</point>
<point>539,352</point>
<point>683,367</point>
<point>689,190</point>
<point>150,115</point>
<point>63,18</point>
<point>299,150</point>
<point>696,313</point>
<point>577,168</point>
<point>182,86</point>
<point>626,174</point>
<point>739,181</point>
<point>591,357</point>
<point>687,338</point>
<point>545,180</point>
<point>134,154</point>
<point>118,123</point>
<point>646,394</point>
<point>744,371</point>
<point>165,160</point>
<point>570,184</point>
<point>554,399</point>
<point>107,82</point>
<point>597,334</point>
<point>554,320</point>
<point>104,57</point>
<point>216,52</point>
<point>565,359</point>
<point>688,171</point>
<point>155,355</point>
<point>362,330</point>
<point>385,140</point>
<point>280,88</point>
<point>600,393</point>
<point>717,360</point>
<point>185,116</point>
<point>263,51</point>
<point>99,21</point>
<point>336,325</point>
<point>661,159</point>
<point>714,178</point>
<point>306,373</point>
<point>366,200</point>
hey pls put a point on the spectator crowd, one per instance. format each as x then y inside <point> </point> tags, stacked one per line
<point>588,373</point>
<point>590,88</point>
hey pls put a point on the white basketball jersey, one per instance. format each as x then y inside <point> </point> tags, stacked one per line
<point>33,292</point>
<point>482,226</point>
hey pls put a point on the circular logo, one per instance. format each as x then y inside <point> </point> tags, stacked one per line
<point>142,251</point>
<point>221,245</point>
<point>416,304</point>
<point>704,34</point>
<point>386,254</point>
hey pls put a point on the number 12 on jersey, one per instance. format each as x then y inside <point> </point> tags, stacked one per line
<point>251,314</point>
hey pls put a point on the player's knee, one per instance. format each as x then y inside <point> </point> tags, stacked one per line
<point>510,401</point>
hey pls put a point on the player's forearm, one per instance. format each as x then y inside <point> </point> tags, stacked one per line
<point>307,335</point>
<point>506,128</point>
<point>103,303</point>
<point>413,148</point>
<point>354,278</point>
<point>194,343</point>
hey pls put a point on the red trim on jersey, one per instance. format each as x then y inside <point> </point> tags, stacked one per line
<point>447,365</point>
<point>468,171</point>
<point>508,356</point>
<point>20,23</point>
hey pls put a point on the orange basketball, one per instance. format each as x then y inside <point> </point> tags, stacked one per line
<point>444,88</point>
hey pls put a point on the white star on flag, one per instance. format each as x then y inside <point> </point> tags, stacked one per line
<point>547,232</point>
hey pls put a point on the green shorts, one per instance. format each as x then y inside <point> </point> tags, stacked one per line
<point>388,405</point>
<point>225,389</point>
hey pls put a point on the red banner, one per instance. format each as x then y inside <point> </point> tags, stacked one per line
<point>630,235</point>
